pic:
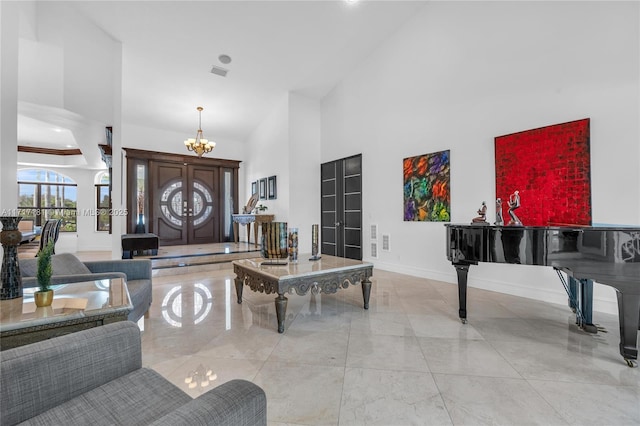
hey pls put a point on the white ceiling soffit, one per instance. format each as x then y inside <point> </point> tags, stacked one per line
<point>57,128</point>
<point>34,132</point>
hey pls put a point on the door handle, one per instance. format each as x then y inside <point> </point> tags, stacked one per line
<point>337,224</point>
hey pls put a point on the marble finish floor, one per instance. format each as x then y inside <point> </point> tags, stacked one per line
<point>406,361</point>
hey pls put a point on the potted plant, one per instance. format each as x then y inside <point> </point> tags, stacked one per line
<point>261,208</point>
<point>44,295</point>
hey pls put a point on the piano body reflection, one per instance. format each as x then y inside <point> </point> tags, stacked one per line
<point>608,255</point>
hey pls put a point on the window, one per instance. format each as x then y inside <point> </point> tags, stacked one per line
<point>45,194</point>
<point>103,204</point>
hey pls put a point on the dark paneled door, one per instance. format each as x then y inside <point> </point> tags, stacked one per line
<point>202,224</point>
<point>183,203</point>
<point>342,207</point>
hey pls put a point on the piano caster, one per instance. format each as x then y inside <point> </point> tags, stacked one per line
<point>631,362</point>
<point>464,320</point>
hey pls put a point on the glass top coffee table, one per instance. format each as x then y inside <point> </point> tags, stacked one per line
<point>75,307</point>
<point>327,275</point>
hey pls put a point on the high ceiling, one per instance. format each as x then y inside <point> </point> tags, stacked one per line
<point>169,48</point>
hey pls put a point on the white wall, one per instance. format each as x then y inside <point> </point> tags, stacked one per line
<point>267,154</point>
<point>88,79</point>
<point>304,167</point>
<point>287,144</point>
<point>461,73</point>
<point>41,73</point>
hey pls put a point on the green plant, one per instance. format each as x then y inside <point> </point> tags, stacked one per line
<point>261,208</point>
<point>44,267</point>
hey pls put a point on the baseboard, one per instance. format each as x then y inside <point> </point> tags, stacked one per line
<point>559,296</point>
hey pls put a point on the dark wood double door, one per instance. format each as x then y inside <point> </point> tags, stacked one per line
<point>183,199</point>
<point>184,203</point>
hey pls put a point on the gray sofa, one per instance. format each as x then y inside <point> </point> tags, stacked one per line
<point>95,377</point>
<point>67,268</point>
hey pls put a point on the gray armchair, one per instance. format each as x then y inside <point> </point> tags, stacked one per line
<point>95,377</point>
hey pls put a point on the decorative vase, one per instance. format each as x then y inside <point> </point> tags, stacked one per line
<point>140,228</point>
<point>43,298</point>
<point>10,276</point>
<point>274,242</point>
<point>315,228</point>
<point>293,245</point>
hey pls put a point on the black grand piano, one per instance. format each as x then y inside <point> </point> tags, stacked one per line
<point>607,255</point>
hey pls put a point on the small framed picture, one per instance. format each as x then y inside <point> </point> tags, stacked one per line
<point>254,187</point>
<point>272,188</point>
<point>263,188</point>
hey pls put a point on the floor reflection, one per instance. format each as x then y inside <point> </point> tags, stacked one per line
<point>187,304</point>
<point>201,377</point>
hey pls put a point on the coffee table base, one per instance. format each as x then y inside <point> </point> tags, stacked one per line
<point>328,282</point>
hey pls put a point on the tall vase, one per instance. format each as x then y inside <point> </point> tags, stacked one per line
<point>140,229</point>
<point>274,243</point>
<point>10,276</point>
<point>315,243</point>
<point>293,245</point>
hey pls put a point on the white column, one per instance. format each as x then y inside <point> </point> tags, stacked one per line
<point>118,178</point>
<point>8,106</point>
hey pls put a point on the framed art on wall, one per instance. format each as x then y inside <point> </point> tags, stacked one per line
<point>272,188</point>
<point>263,188</point>
<point>254,187</point>
<point>550,167</point>
<point>427,188</point>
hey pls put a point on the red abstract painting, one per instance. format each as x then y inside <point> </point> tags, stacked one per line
<point>551,168</point>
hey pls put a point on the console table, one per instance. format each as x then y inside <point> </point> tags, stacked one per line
<point>75,307</point>
<point>327,275</point>
<point>248,219</point>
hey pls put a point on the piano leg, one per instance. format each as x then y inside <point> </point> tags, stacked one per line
<point>629,319</point>
<point>463,272</point>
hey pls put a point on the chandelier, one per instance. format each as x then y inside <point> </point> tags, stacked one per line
<point>199,145</point>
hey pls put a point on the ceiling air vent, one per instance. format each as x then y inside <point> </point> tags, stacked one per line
<point>219,71</point>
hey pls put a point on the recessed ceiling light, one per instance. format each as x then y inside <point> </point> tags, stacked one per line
<point>57,130</point>
<point>69,146</point>
<point>225,59</point>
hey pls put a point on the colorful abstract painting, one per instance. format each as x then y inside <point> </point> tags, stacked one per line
<point>551,168</point>
<point>427,195</point>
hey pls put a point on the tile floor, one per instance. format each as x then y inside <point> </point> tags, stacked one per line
<point>406,361</point>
